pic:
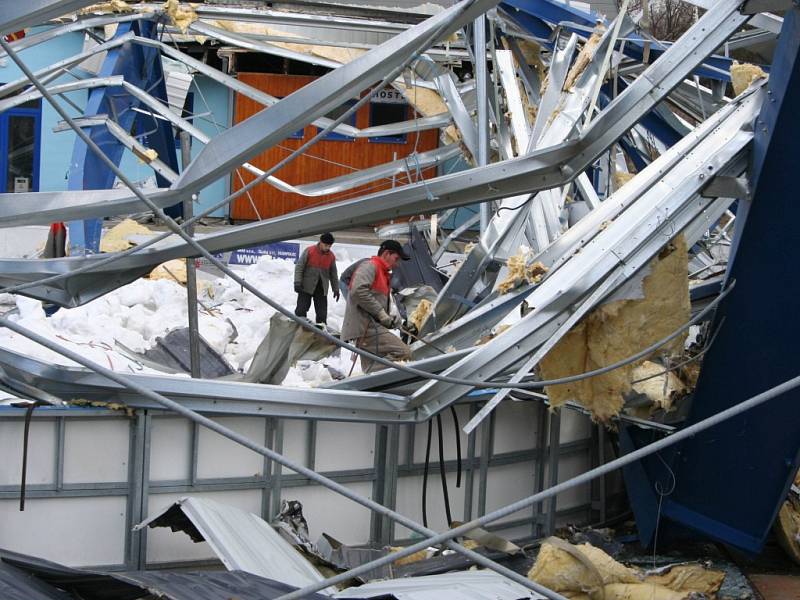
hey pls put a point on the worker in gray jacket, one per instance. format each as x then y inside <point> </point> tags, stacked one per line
<point>367,317</point>
<point>313,274</point>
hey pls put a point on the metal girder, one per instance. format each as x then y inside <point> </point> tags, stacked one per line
<point>459,112</point>
<point>231,147</point>
<point>13,86</point>
<point>419,124</point>
<point>502,238</point>
<point>732,187</point>
<point>464,332</point>
<point>19,15</point>
<point>78,25</point>
<point>208,395</point>
<point>637,233</point>
<point>768,22</point>
<point>542,169</point>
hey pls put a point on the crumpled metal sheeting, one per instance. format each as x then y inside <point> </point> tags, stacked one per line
<point>25,577</point>
<point>241,540</point>
<point>465,585</point>
<point>208,585</point>
<point>16,584</point>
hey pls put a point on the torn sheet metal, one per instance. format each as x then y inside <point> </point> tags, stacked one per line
<point>16,584</point>
<point>241,540</point>
<point>466,585</point>
<point>25,577</point>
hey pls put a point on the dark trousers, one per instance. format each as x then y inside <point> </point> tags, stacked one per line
<point>320,304</point>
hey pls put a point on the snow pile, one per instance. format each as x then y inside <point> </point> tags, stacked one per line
<point>232,320</point>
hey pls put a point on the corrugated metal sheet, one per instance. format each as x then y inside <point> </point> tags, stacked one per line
<point>209,585</point>
<point>241,540</point>
<point>15,584</point>
<point>465,585</point>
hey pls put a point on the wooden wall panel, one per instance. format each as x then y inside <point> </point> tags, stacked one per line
<point>325,159</point>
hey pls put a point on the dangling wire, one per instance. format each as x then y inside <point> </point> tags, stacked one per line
<point>662,493</point>
<point>425,475</point>
<point>458,445</point>
<point>442,473</point>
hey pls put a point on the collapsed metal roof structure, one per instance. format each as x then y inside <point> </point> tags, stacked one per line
<point>530,172</point>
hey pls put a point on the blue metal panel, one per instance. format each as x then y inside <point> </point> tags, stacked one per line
<point>141,67</point>
<point>732,480</point>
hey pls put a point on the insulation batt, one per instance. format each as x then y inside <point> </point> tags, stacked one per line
<point>136,314</point>
<point>743,74</point>
<point>562,572</point>
<point>116,238</point>
<point>787,526</point>
<point>617,330</point>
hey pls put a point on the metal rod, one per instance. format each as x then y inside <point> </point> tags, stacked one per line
<point>479,36</point>
<point>191,270</point>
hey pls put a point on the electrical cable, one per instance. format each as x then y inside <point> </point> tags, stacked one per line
<point>442,472</point>
<point>425,474</point>
<point>289,314</point>
<point>458,445</point>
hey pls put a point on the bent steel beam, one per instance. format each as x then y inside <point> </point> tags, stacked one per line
<point>314,100</point>
<point>543,169</point>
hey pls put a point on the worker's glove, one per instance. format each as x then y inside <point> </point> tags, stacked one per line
<point>390,321</point>
<point>336,296</point>
<point>298,288</point>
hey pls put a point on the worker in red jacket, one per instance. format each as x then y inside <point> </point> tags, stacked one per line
<point>313,274</point>
<point>368,320</point>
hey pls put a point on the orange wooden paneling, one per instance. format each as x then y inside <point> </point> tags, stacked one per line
<point>322,161</point>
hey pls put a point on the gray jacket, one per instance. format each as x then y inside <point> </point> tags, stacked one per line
<point>314,266</point>
<point>366,307</point>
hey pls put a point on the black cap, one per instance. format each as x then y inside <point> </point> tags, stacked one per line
<point>393,246</point>
<point>326,238</point>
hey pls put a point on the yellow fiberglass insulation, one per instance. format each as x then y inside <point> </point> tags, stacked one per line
<point>116,238</point>
<point>620,178</point>
<point>584,57</point>
<point>618,329</point>
<point>787,526</point>
<point>690,577</point>
<point>181,15</point>
<point>560,571</point>
<point>743,74</point>
<point>577,572</point>
<point>660,387</point>
<point>420,314</point>
<point>174,270</point>
<point>518,269</point>
<point>104,7</point>
<point>634,591</point>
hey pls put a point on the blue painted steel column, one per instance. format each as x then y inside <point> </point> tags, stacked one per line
<point>141,67</point>
<point>731,481</point>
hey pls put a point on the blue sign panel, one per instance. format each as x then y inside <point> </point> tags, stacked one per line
<point>250,256</point>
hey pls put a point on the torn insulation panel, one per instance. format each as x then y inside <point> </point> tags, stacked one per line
<point>587,572</point>
<point>617,330</point>
<point>174,270</point>
<point>519,270</point>
<point>181,15</point>
<point>117,238</point>
<point>584,58</point>
<point>743,74</point>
